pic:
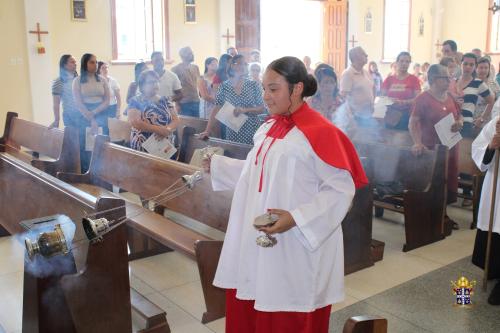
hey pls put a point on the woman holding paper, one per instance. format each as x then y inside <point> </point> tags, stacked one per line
<point>242,94</point>
<point>150,113</point>
<point>303,172</point>
<point>429,108</point>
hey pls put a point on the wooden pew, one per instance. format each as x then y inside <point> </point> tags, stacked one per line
<point>119,131</point>
<point>111,163</point>
<point>199,125</point>
<point>474,181</point>
<point>365,324</point>
<point>96,298</point>
<point>423,201</point>
<point>190,142</point>
<point>61,147</point>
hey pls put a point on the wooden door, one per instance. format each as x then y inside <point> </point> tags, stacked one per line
<point>247,26</point>
<point>335,34</point>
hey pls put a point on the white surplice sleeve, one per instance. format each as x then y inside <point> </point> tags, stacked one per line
<point>225,172</point>
<point>320,217</point>
<point>480,144</point>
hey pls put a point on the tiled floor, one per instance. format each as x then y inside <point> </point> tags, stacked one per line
<point>171,280</point>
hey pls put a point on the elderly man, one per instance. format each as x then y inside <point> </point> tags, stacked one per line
<point>188,74</point>
<point>356,86</point>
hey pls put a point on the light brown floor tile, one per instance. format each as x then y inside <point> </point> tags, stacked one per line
<point>179,320</point>
<point>349,300</point>
<point>165,271</point>
<point>11,255</point>
<point>189,297</point>
<point>11,305</point>
<point>396,267</point>
<point>449,249</point>
<point>218,326</point>
<point>140,286</point>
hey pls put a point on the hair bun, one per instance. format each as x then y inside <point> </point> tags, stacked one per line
<point>310,86</point>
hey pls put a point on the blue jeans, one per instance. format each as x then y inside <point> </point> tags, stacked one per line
<point>191,109</point>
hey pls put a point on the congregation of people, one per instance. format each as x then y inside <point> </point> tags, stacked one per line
<point>464,85</point>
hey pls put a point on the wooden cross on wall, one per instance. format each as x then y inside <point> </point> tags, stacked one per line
<point>38,32</point>
<point>228,37</point>
<point>352,41</point>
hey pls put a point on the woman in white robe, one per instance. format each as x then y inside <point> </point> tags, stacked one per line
<point>484,148</point>
<point>305,171</point>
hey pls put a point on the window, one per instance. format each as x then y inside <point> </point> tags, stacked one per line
<point>396,28</point>
<point>139,28</point>
<point>493,38</point>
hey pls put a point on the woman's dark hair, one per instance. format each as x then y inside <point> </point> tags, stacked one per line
<point>208,61</point>
<point>403,54</point>
<point>62,69</point>
<point>138,69</point>
<point>143,77</point>
<point>326,71</point>
<point>223,65</point>
<point>484,60</point>
<point>83,68</point>
<point>294,71</point>
<point>452,44</point>
<point>233,61</point>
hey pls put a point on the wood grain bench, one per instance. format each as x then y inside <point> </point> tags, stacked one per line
<point>60,148</point>
<point>97,298</point>
<point>423,199</point>
<point>147,176</point>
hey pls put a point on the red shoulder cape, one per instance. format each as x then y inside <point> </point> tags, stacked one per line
<point>329,143</point>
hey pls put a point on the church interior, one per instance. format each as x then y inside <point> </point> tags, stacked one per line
<point>402,262</point>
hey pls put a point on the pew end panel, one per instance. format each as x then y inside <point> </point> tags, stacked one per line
<point>365,324</point>
<point>358,236</point>
<point>207,257</point>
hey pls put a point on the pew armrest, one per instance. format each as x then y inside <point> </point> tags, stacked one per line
<point>365,324</point>
<point>47,166</point>
<point>69,177</point>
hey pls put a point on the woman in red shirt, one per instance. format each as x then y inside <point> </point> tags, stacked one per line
<point>429,108</point>
<point>402,88</point>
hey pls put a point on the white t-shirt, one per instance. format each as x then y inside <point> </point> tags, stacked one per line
<point>169,82</point>
<point>113,86</point>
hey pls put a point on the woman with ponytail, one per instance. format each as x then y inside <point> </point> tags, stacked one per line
<point>283,275</point>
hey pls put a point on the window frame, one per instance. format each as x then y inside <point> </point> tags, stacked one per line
<point>387,60</point>
<point>488,31</point>
<point>114,40</point>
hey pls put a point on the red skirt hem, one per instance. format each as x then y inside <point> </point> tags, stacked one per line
<point>241,317</point>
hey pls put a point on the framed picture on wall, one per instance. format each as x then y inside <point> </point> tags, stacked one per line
<point>78,10</point>
<point>189,11</point>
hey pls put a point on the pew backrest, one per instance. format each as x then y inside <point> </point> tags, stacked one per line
<point>59,145</point>
<point>466,164</point>
<point>190,142</point>
<point>148,176</point>
<point>393,163</point>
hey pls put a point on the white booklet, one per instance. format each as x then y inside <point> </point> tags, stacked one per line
<point>380,106</point>
<point>90,138</point>
<point>227,117</point>
<point>159,147</point>
<point>443,130</point>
